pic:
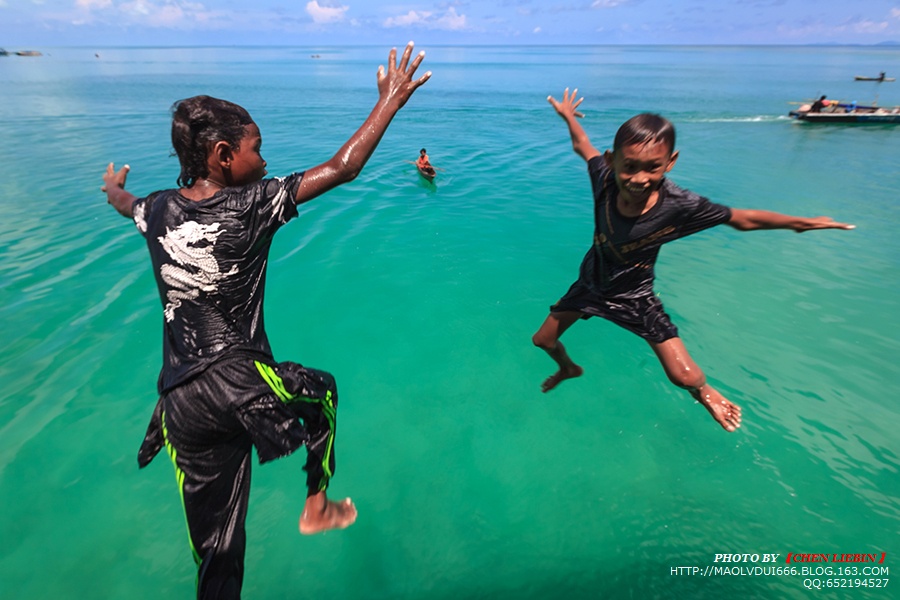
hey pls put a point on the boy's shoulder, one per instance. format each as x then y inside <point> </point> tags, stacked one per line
<point>688,206</point>
<point>597,164</point>
<point>681,196</point>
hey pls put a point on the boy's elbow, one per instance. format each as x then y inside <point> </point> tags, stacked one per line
<point>739,225</point>
<point>346,170</point>
<point>741,220</point>
<point>351,174</point>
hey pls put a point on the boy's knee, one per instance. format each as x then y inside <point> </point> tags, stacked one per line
<point>542,341</point>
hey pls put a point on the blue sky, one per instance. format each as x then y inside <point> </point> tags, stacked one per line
<point>98,23</point>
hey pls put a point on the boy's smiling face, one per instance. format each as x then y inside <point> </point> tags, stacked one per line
<point>639,169</point>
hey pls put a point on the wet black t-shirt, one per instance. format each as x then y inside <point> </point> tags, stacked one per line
<point>209,259</point>
<point>620,263</point>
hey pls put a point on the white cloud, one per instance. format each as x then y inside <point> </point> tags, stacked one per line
<point>867,26</point>
<point>895,12</point>
<point>608,3</point>
<point>325,14</point>
<point>536,30</point>
<point>818,30</point>
<point>449,21</point>
<point>165,14</point>
<point>411,18</point>
<point>92,4</point>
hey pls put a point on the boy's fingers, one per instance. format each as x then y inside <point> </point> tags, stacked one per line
<point>416,62</point>
<point>392,59</point>
<point>404,60</point>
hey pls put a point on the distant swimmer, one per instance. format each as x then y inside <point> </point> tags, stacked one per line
<point>636,211</point>
<point>423,163</point>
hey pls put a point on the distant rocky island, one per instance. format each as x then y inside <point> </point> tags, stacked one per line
<point>20,53</point>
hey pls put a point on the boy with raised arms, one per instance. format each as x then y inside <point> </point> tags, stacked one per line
<point>636,211</point>
<point>221,391</point>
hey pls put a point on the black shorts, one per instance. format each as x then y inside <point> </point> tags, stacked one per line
<point>644,316</point>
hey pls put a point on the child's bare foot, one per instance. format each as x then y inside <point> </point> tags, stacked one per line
<point>726,413</point>
<point>321,514</point>
<point>560,376</point>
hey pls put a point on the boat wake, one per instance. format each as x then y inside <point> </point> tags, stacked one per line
<point>754,119</point>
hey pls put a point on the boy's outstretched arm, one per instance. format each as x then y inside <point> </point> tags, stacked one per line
<point>114,186</point>
<point>748,220</point>
<point>395,86</point>
<point>568,110</point>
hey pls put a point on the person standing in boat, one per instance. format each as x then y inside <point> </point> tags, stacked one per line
<point>819,104</point>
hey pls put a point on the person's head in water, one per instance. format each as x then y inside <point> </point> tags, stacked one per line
<point>643,152</point>
<point>216,139</point>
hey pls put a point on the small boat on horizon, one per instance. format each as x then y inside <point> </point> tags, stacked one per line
<point>880,78</point>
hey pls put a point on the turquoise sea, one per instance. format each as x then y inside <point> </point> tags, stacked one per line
<point>422,301</point>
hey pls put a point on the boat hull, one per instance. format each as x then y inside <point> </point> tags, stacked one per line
<point>846,117</point>
<point>848,113</point>
<point>427,173</point>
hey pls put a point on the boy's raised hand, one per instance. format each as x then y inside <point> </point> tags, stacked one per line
<point>568,107</point>
<point>114,187</point>
<point>748,220</point>
<point>113,178</point>
<point>397,84</point>
<point>811,223</point>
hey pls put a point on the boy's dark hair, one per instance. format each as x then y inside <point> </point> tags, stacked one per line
<point>197,124</point>
<point>422,151</point>
<point>644,128</point>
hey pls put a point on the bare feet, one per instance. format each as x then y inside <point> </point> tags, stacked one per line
<point>726,413</point>
<point>560,376</point>
<point>321,514</point>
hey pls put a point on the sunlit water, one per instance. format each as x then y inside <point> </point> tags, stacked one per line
<point>422,300</point>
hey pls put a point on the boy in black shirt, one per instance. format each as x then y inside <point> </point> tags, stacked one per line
<point>221,391</point>
<point>637,210</point>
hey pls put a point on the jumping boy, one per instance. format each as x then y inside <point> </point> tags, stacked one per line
<point>637,210</point>
<point>221,391</point>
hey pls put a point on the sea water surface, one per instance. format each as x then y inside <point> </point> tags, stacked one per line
<point>422,300</point>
